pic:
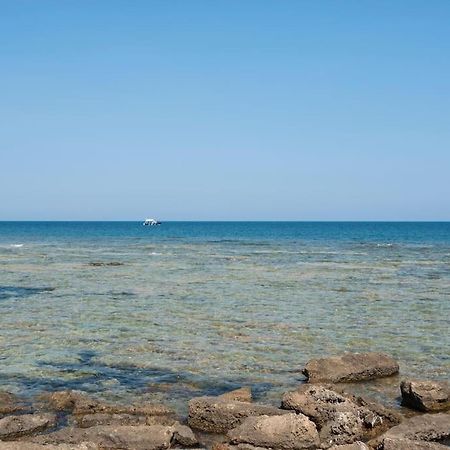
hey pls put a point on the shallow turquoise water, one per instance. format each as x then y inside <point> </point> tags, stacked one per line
<point>204,307</point>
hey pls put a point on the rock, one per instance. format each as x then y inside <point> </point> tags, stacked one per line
<point>350,367</point>
<point>355,446</point>
<point>340,418</point>
<point>217,415</point>
<point>81,404</point>
<point>407,444</point>
<point>426,427</point>
<point>243,394</point>
<point>184,436</point>
<point>426,396</point>
<point>9,404</point>
<point>12,427</point>
<point>140,437</point>
<point>30,446</point>
<point>287,432</point>
<point>92,420</point>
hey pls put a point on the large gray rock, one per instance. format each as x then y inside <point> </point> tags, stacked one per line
<point>30,446</point>
<point>218,415</point>
<point>426,396</point>
<point>407,444</point>
<point>350,367</point>
<point>81,404</point>
<point>287,432</point>
<point>140,437</point>
<point>12,427</point>
<point>340,418</point>
<point>426,427</point>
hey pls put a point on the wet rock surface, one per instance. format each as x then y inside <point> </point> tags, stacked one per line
<point>12,427</point>
<point>426,427</point>
<point>426,396</point>
<point>216,415</point>
<point>350,367</point>
<point>243,394</point>
<point>9,404</point>
<point>340,418</point>
<point>288,431</point>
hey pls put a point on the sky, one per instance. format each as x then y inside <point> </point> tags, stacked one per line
<point>224,110</point>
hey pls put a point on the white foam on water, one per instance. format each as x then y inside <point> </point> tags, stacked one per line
<point>16,245</point>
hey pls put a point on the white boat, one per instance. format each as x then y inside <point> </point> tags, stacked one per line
<point>151,222</point>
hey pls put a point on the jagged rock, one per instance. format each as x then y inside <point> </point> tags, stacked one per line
<point>426,427</point>
<point>81,404</point>
<point>30,446</point>
<point>355,446</point>
<point>184,436</point>
<point>9,404</point>
<point>426,396</point>
<point>340,418</point>
<point>217,415</point>
<point>407,444</point>
<point>12,427</point>
<point>140,437</point>
<point>350,367</point>
<point>243,394</point>
<point>287,432</point>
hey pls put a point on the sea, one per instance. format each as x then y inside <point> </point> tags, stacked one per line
<point>166,313</point>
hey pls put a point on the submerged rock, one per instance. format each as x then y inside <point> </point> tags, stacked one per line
<point>426,427</point>
<point>243,394</point>
<point>350,367</point>
<point>12,427</point>
<point>340,418</point>
<point>218,415</point>
<point>81,404</point>
<point>9,404</point>
<point>426,396</point>
<point>287,432</point>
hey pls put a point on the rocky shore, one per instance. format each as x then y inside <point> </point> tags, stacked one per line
<point>317,415</point>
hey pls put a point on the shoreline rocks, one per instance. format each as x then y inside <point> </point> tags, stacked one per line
<point>12,427</point>
<point>425,396</point>
<point>350,367</point>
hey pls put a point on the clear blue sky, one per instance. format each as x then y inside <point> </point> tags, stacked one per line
<point>227,109</point>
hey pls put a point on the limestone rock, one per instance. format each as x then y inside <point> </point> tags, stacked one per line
<point>426,396</point>
<point>217,415</point>
<point>287,432</point>
<point>340,418</point>
<point>407,444</point>
<point>30,446</point>
<point>243,394</point>
<point>12,427</point>
<point>426,427</point>
<point>9,404</point>
<point>184,436</point>
<point>355,446</point>
<point>92,420</point>
<point>350,367</point>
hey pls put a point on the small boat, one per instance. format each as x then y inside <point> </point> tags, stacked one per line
<point>151,222</point>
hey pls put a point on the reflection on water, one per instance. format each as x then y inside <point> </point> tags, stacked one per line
<point>211,310</point>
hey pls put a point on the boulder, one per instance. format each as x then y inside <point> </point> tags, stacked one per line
<point>243,394</point>
<point>140,437</point>
<point>425,396</point>
<point>12,427</point>
<point>217,415</point>
<point>82,404</point>
<point>92,420</point>
<point>426,427</point>
<point>350,367</point>
<point>340,418</point>
<point>407,444</point>
<point>184,436</point>
<point>287,432</point>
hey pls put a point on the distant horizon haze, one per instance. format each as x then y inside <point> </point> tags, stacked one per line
<point>226,110</point>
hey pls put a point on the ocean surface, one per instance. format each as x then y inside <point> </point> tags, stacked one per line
<point>189,308</point>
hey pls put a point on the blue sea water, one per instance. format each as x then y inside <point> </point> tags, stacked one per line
<point>187,308</point>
